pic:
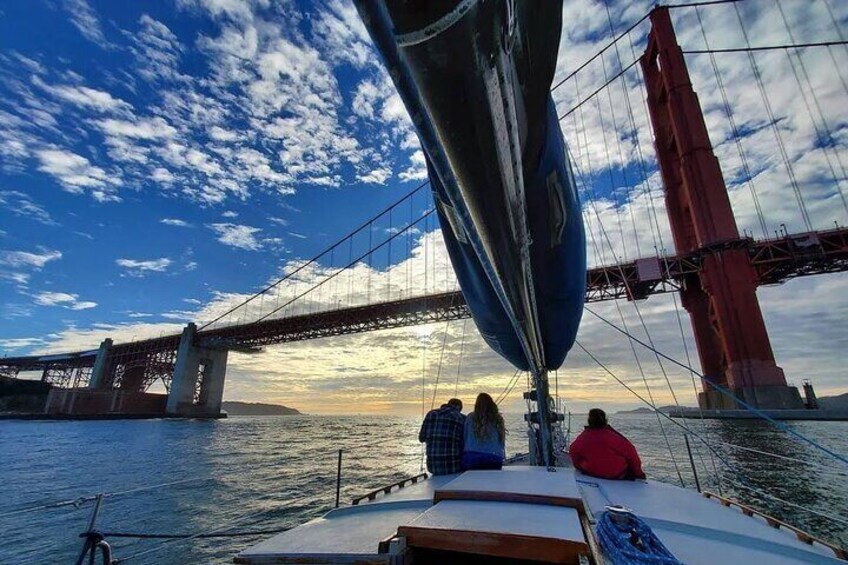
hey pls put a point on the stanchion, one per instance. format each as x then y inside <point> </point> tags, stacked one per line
<point>339,479</point>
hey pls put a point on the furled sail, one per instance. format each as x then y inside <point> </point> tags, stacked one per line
<point>475,76</point>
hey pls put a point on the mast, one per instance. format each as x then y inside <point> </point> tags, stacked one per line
<point>475,78</point>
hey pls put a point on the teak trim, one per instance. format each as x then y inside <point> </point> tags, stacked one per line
<point>387,489</point>
<point>777,524</point>
<point>510,546</point>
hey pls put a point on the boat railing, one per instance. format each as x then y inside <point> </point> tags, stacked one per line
<point>388,488</point>
<point>777,524</point>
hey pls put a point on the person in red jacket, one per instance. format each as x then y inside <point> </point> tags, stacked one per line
<point>602,452</point>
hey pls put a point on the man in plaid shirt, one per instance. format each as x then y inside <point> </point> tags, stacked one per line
<point>442,430</point>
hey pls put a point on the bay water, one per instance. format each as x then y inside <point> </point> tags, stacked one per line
<point>247,474</point>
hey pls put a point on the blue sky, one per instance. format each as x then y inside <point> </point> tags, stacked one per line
<point>162,160</point>
<point>139,146</point>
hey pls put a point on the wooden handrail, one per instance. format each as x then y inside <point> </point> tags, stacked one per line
<point>387,489</point>
<point>805,537</point>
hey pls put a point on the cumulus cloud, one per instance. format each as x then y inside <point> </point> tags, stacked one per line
<point>235,235</point>
<point>63,299</point>
<point>273,114</point>
<point>140,268</point>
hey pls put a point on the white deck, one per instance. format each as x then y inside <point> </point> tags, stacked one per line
<point>697,530</point>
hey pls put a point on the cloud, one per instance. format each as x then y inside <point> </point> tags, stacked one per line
<point>162,175</point>
<point>377,176</point>
<point>417,170</point>
<point>86,21</point>
<point>76,173</point>
<point>146,129</point>
<point>229,214</point>
<point>175,222</point>
<point>21,204</point>
<point>21,279</point>
<point>235,235</point>
<point>27,259</point>
<point>20,343</point>
<point>63,299</point>
<point>140,268</point>
<point>87,97</point>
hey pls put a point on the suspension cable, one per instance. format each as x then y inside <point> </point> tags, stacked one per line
<point>830,142</point>
<point>764,47</point>
<point>726,392</point>
<point>773,121</point>
<point>734,130</point>
<point>624,322</point>
<point>314,259</point>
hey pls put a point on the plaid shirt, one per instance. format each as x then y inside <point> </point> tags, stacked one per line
<point>442,430</point>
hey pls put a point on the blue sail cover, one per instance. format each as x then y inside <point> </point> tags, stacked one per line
<point>557,253</point>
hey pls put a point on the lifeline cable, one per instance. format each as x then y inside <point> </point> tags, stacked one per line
<point>726,392</point>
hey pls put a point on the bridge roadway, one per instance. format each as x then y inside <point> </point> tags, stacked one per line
<point>776,260</point>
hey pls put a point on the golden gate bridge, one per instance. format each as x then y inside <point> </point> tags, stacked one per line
<point>391,272</point>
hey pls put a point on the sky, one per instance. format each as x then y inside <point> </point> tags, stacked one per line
<point>161,161</point>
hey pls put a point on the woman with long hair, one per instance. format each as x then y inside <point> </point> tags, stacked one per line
<point>485,434</point>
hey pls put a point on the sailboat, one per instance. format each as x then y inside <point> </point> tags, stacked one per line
<point>475,77</point>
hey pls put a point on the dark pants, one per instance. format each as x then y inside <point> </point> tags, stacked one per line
<point>474,460</point>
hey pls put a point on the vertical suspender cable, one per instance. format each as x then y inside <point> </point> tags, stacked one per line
<point>734,130</point>
<point>773,121</point>
<point>829,141</point>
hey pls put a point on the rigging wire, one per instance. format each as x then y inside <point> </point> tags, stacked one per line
<point>697,436</point>
<point>830,142</point>
<point>838,29</point>
<point>509,386</point>
<point>734,130</point>
<point>80,500</point>
<point>773,122</point>
<point>593,205</point>
<point>749,49</point>
<point>621,159</point>
<point>459,364</point>
<point>727,392</point>
<point>240,518</point>
<point>586,63</point>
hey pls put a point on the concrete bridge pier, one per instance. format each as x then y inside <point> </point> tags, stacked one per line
<point>197,388</point>
<point>98,372</point>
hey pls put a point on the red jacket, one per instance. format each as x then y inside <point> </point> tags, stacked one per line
<point>606,454</point>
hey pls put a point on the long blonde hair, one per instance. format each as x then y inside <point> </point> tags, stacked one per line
<point>486,412</point>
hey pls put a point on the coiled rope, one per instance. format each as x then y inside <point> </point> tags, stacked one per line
<point>628,540</point>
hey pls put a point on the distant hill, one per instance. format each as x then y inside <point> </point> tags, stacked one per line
<point>838,402</point>
<point>236,408</point>
<point>646,410</point>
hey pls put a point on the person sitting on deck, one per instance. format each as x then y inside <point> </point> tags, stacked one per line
<point>442,431</point>
<point>600,451</point>
<point>484,436</point>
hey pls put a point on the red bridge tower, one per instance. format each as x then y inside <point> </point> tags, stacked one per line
<point>733,344</point>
